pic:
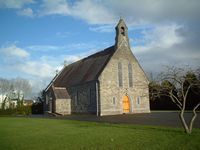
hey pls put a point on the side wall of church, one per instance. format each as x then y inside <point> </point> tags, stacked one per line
<point>83,98</point>
<point>111,94</point>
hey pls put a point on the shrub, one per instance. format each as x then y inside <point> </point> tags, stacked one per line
<point>22,110</point>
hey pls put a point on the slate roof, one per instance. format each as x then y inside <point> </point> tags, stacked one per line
<point>61,93</point>
<point>85,70</point>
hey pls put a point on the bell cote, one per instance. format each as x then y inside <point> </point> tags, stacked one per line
<point>121,34</point>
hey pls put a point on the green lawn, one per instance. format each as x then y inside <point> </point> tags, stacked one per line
<point>36,134</point>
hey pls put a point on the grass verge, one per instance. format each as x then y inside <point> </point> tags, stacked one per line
<point>35,133</point>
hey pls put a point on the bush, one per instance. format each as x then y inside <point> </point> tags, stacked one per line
<point>21,110</point>
<point>7,111</point>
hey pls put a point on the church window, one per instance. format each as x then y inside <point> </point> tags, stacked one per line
<point>89,96</point>
<point>120,74</point>
<point>130,75</point>
<point>138,100</point>
<point>76,98</point>
<point>114,101</point>
<point>92,96</point>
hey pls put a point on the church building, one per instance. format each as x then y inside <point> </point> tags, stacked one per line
<point>108,82</point>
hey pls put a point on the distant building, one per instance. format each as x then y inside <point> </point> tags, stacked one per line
<point>8,103</point>
<point>2,98</point>
<point>10,99</point>
<point>106,83</point>
<point>28,102</point>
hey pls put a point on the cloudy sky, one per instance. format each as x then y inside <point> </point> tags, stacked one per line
<point>36,36</point>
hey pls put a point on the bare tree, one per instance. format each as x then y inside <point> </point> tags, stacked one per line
<point>17,85</point>
<point>5,86</point>
<point>21,86</point>
<point>176,84</point>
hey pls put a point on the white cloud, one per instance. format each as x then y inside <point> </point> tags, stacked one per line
<point>42,66</point>
<point>36,68</point>
<point>38,85</point>
<point>108,11</point>
<point>93,12</point>
<point>54,7</point>
<point>60,48</point>
<point>162,37</point>
<point>150,11</point>
<point>46,66</point>
<point>14,51</point>
<point>103,28</point>
<point>13,58</point>
<point>59,60</point>
<point>28,12</point>
<point>16,4</point>
<point>44,48</point>
<point>164,45</point>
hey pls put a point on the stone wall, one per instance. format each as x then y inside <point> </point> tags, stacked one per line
<point>111,95</point>
<point>83,98</point>
<point>63,106</point>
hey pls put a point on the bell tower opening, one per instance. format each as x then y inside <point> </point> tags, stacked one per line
<point>123,31</point>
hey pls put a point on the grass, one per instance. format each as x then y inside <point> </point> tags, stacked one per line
<point>47,134</point>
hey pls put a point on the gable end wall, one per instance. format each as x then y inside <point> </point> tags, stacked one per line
<point>109,88</point>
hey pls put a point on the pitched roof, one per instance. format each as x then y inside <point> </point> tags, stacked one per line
<point>85,70</point>
<point>60,93</point>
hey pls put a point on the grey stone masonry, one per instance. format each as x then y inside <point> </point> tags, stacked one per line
<point>83,98</point>
<point>111,94</point>
<point>63,106</point>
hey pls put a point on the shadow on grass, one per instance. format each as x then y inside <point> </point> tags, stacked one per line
<point>85,124</point>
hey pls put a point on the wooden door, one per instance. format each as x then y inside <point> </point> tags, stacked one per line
<point>126,104</point>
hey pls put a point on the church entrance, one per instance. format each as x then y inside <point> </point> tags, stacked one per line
<point>126,104</point>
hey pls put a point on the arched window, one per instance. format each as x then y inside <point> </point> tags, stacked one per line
<point>113,101</point>
<point>120,74</point>
<point>138,100</point>
<point>130,75</point>
<point>76,98</point>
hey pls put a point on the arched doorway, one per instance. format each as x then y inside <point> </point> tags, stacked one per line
<point>126,104</point>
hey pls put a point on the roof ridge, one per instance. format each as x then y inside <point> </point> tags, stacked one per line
<point>104,50</point>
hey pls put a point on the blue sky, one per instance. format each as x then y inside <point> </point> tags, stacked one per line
<point>36,36</point>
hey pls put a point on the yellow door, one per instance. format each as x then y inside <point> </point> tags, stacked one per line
<point>126,104</point>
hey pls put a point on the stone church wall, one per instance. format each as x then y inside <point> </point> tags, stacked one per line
<point>63,106</point>
<point>111,94</point>
<point>83,98</point>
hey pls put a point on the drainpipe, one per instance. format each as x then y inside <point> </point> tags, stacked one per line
<point>97,97</point>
